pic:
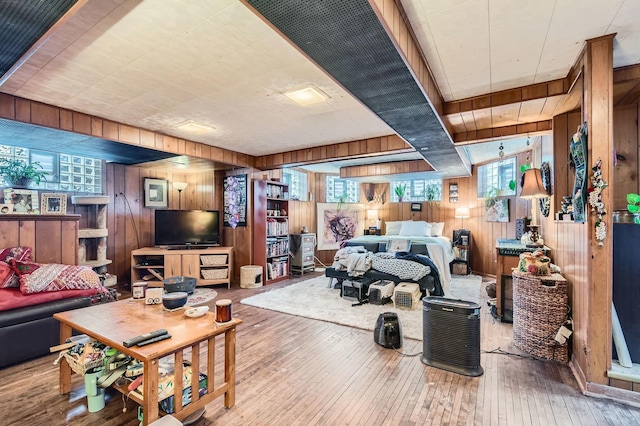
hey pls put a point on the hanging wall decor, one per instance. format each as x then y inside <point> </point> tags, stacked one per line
<point>235,201</point>
<point>579,159</point>
<point>595,200</point>
<point>545,202</point>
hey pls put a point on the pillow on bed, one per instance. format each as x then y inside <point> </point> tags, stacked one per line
<point>419,227</point>
<point>437,228</point>
<point>393,227</point>
<point>37,277</point>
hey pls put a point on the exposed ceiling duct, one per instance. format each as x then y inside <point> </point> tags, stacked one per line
<point>348,41</point>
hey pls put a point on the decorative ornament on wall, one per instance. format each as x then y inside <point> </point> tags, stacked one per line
<point>578,150</point>
<point>545,203</point>
<point>595,200</point>
<point>235,201</point>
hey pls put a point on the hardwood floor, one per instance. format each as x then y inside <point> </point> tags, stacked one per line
<point>299,371</point>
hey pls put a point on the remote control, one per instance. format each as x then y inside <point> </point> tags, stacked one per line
<point>154,339</point>
<point>143,337</point>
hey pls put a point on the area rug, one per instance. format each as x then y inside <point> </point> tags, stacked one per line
<point>314,299</point>
<point>200,296</point>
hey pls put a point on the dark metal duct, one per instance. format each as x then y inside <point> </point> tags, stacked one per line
<point>348,41</point>
<point>23,23</point>
<point>16,133</point>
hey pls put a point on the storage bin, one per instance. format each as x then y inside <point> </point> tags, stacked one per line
<point>540,308</point>
<point>214,274</point>
<point>213,259</point>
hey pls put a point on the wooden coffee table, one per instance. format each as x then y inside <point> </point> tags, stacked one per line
<point>113,323</point>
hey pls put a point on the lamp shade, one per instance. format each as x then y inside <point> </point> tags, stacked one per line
<point>372,214</point>
<point>533,187</point>
<point>180,185</point>
<point>462,213</point>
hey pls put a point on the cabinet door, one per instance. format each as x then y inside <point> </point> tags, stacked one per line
<point>172,265</point>
<point>191,265</point>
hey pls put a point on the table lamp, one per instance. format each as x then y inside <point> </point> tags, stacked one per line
<point>372,215</point>
<point>462,213</point>
<point>532,189</point>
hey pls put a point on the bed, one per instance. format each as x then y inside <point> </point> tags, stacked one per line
<point>439,249</point>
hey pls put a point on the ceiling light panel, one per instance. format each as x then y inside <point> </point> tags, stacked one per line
<point>307,96</point>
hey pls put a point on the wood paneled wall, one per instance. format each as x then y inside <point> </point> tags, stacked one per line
<point>626,130</point>
<point>53,239</point>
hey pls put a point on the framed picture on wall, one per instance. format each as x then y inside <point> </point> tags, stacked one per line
<point>155,193</point>
<point>416,207</point>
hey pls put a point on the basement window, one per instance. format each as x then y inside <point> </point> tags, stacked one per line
<point>297,181</point>
<point>342,190</point>
<point>65,172</point>
<point>417,190</point>
<point>494,178</point>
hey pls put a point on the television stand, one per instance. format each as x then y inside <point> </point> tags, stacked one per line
<point>210,265</point>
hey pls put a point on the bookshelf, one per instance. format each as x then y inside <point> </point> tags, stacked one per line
<point>271,229</point>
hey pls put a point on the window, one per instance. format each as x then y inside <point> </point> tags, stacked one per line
<point>494,178</point>
<point>342,190</point>
<point>64,172</point>
<point>417,190</point>
<point>297,181</point>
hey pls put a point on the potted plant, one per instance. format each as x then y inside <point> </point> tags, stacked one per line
<point>19,174</point>
<point>400,191</point>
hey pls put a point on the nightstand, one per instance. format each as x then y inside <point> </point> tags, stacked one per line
<point>370,231</point>
<point>462,250</point>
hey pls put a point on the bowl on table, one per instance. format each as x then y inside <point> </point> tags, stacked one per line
<point>174,300</point>
<point>185,284</point>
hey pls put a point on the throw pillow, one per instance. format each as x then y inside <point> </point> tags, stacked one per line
<point>393,227</point>
<point>36,278</point>
<point>417,228</point>
<point>9,279</point>
<point>437,228</point>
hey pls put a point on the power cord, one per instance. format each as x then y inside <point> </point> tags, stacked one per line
<point>407,355</point>
<point>135,229</point>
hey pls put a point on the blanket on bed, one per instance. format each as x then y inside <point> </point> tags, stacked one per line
<point>356,264</point>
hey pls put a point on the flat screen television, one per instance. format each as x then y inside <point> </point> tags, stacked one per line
<point>187,228</point>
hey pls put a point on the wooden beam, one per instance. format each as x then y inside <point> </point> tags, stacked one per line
<point>500,132</point>
<point>364,148</point>
<point>390,168</point>
<point>507,97</point>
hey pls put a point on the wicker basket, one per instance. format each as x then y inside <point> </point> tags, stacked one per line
<point>214,274</point>
<point>79,367</point>
<point>540,306</point>
<point>213,259</point>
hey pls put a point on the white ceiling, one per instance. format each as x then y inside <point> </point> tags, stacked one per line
<point>158,63</point>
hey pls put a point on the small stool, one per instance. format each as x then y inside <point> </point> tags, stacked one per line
<point>250,276</point>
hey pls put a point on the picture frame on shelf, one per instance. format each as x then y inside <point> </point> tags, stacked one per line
<point>54,203</point>
<point>24,201</point>
<point>155,193</point>
<point>453,192</point>
<point>6,208</point>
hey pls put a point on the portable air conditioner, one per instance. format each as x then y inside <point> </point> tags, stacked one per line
<point>406,296</point>
<point>381,292</point>
<point>451,335</point>
<point>388,332</point>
